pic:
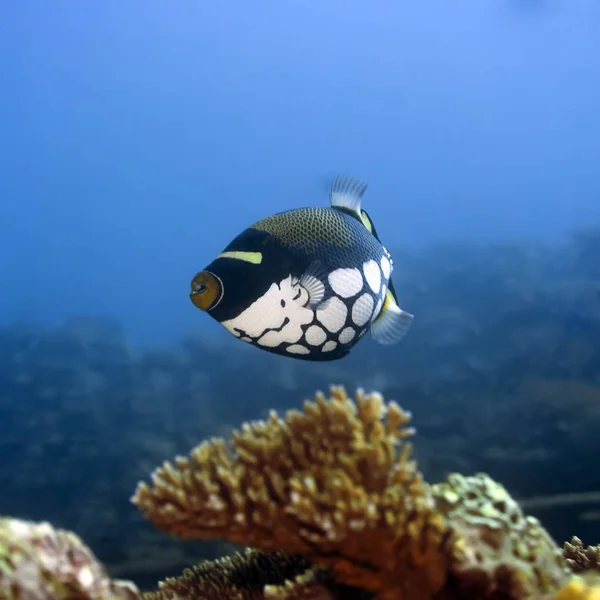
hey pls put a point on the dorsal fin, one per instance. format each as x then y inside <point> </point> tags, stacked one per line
<point>347,192</point>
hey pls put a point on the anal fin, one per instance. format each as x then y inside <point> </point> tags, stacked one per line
<point>392,323</point>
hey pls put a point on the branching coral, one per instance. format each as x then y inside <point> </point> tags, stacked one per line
<point>39,562</point>
<point>580,558</point>
<point>255,575</point>
<point>334,483</point>
<point>242,577</point>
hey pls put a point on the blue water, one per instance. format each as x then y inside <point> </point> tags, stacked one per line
<point>139,138</point>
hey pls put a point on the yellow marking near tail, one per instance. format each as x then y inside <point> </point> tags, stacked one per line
<point>252,257</point>
<point>366,221</point>
<point>389,299</point>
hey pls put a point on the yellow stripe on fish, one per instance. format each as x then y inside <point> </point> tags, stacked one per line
<point>251,257</point>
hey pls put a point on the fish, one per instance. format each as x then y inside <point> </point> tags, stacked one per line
<point>306,283</point>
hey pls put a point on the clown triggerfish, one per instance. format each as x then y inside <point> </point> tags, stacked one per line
<point>306,283</point>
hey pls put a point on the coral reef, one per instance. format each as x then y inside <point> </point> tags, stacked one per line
<point>334,505</point>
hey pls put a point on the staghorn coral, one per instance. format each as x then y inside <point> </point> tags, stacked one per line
<point>580,558</point>
<point>39,562</point>
<point>334,483</point>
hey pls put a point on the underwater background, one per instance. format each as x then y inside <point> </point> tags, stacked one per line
<point>139,138</point>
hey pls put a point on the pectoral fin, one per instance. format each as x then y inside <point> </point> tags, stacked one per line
<point>312,281</point>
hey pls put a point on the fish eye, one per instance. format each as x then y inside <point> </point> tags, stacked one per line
<point>206,290</point>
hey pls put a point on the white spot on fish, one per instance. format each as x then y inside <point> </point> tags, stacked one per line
<point>332,315</point>
<point>272,339</point>
<point>297,349</point>
<point>362,310</point>
<point>346,282</point>
<point>275,317</point>
<point>315,336</point>
<point>372,275</point>
<point>386,267</point>
<point>347,335</point>
<point>329,346</point>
